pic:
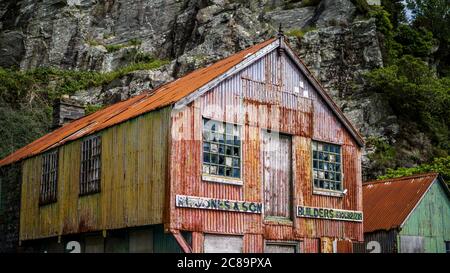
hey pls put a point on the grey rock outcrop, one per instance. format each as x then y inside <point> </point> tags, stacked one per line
<point>104,35</point>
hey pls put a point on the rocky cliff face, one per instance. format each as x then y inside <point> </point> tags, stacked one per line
<point>104,35</point>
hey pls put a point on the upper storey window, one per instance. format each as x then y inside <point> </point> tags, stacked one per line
<point>221,149</point>
<point>327,161</point>
<point>49,178</point>
<point>90,174</point>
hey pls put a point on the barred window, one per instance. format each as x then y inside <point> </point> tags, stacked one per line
<point>49,179</point>
<point>90,165</point>
<point>221,149</point>
<point>327,166</point>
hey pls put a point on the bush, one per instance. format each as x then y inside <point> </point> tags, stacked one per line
<point>416,95</point>
<point>418,43</point>
<point>440,165</point>
<point>20,127</point>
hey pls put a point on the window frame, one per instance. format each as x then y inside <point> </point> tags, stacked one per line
<point>83,186</point>
<point>48,193</point>
<point>295,244</point>
<point>447,246</point>
<point>322,191</point>
<point>219,178</point>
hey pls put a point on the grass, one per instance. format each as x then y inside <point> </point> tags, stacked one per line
<point>26,85</point>
<point>91,108</point>
<point>299,32</point>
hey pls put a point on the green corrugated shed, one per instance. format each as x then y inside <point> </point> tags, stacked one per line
<point>430,219</point>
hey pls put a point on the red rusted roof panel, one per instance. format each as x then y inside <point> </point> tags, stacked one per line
<point>388,202</point>
<point>122,111</point>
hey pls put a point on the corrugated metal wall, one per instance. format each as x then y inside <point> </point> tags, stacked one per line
<point>261,97</point>
<point>134,164</point>
<point>430,220</point>
<point>377,242</point>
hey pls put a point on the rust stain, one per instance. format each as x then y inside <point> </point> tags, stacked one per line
<point>388,202</point>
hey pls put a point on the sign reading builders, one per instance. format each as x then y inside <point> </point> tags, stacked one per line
<point>330,214</point>
<point>184,201</point>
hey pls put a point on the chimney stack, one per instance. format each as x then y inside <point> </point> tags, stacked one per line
<point>65,110</point>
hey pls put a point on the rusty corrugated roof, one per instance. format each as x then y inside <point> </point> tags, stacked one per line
<point>122,111</point>
<point>387,203</point>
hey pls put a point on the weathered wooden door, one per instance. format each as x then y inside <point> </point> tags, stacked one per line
<point>277,174</point>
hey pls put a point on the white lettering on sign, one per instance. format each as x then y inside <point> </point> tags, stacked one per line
<point>195,202</point>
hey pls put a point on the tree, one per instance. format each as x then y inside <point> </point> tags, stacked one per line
<point>396,11</point>
<point>434,15</point>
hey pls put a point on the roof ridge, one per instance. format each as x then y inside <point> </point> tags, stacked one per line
<point>397,179</point>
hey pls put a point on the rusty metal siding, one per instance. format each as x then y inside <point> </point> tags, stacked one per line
<point>253,243</point>
<point>254,100</point>
<point>134,160</point>
<point>305,196</point>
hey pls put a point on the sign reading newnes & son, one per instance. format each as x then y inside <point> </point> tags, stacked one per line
<point>330,214</point>
<point>195,202</point>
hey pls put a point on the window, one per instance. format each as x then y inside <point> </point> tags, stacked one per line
<point>221,149</point>
<point>327,166</point>
<point>90,165</point>
<point>447,247</point>
<point>281,247</point>
<point>49,178</point>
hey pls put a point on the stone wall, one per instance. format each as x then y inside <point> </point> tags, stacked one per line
<point>10,180</point>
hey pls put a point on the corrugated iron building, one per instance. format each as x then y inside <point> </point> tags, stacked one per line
<point>248,154</point>
<point>407,214</point>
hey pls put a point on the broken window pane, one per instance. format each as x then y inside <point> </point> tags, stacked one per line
<point>221,147</point>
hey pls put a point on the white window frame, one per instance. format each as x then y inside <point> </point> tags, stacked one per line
<point>322,191</point>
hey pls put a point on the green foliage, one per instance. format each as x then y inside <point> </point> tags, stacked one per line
<point>416,95</point>
<point>26,86</point>
<point>416,42</point>
<point>434,15</point>
<point>384,152</point>
<point>440,165</point>
<point>21,126</point>
<point>361,6</point>
<point>390,48</point>
<point>26,98</point>
<point>114,48</point>
<point>309,3</point>
<point>415,92</point>
<point>396,11</point>
<point>383,22</point>
<point>92,108</point>
<point>299,32</point>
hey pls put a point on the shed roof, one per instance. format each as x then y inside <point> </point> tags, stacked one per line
<point>165,95</point>
<point>388,203</point>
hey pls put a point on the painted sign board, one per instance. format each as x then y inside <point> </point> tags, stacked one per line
<point>329,214</point>
<point>195,202</point>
